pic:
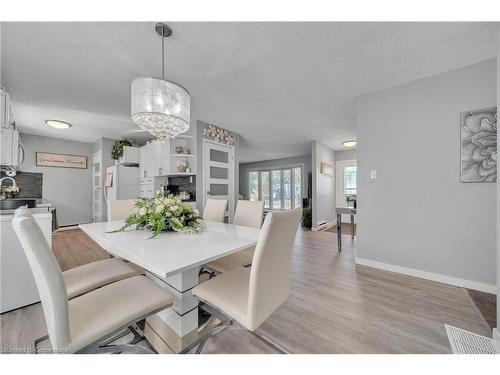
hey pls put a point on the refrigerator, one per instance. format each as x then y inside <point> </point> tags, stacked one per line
<point>121,182</point>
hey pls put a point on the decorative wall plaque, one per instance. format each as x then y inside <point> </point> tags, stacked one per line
<point>46,159</point>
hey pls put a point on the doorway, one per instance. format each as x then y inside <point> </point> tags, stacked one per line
<point>218,174</point>
<point>346,184</point>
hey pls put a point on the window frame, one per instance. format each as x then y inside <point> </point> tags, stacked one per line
<point>281,168</point>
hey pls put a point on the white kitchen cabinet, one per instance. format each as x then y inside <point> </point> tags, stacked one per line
<point>11,155</point>
<point>6,114</point>
<point>130,156</point>
<point>154,159</point>
<point>17,284</point>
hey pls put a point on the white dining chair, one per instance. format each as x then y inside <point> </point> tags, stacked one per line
<point>251,295</point>
<point>120,209</point>
<point>84,323</point>
<point>215,210</point>
<point>90,276</point>
<point>249,214</point>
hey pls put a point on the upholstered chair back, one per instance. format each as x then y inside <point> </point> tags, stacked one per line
<point>249,213</point>
<point>215,210</point>
<point>269,283</point>
<point>120,209</point>
<point>48,277</point>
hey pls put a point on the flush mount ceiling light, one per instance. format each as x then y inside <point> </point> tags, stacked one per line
<point>159,106</point>
<point>58,124</point>
<point>351,143</point>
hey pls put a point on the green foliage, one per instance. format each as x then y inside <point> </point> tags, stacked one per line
<point>162,214</point>
<point>307,217</point>
<point>117,151</point>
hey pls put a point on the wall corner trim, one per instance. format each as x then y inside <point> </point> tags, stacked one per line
<point>463,283</point>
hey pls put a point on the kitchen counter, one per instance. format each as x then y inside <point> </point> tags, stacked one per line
<point>42,206</point>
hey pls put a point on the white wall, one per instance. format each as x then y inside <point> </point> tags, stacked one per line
<point>345,155</point>
<point>417,214</point>
<point>323,186</point>
<point>69,189</point>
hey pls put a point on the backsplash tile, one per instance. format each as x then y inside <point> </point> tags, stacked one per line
<point>30,184</point>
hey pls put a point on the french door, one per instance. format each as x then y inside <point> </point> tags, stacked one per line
<point>346,182</point>
<point>218,174</point>
<point>96,187</point>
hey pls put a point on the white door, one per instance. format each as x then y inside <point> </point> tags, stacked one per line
<point>96,187</point>
<point>218,174</point>
<point>346,183</point>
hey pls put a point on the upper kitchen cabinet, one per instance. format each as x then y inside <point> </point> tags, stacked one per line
<point>154,159</point>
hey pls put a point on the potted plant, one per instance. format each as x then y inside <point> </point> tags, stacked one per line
<point>351,199</point>
<point>162,214</point>
<point>117,151</point>
<point>307,217</point>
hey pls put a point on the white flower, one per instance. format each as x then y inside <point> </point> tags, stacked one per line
<point>159,209</point>
<point>143,211</point>
<point>196,212</point>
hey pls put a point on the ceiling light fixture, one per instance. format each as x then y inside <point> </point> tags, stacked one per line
<point>351,143</point>
<point>58,124</point>
<point>159,106</point>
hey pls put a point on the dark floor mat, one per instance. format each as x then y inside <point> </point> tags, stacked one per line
<point>486,304</point>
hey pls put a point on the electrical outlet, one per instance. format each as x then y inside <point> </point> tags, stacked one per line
<point>373,174</point>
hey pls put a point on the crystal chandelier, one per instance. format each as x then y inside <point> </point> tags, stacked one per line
<point>159,106</point>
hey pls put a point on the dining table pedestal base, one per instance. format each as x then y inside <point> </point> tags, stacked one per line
<point>176,326</point>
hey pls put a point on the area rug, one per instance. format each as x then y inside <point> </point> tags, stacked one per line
<point>486,303</point>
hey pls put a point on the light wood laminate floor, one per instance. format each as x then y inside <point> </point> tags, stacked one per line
<point>335,306</point>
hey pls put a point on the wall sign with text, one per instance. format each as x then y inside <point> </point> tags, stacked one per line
<point>45,159</point>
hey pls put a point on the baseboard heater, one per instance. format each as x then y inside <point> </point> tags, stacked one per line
<point>465,342</point>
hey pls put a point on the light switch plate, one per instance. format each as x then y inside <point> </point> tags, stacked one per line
<point>373,174</point>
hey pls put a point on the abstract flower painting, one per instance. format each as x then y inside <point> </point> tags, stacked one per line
<point>478,151</point>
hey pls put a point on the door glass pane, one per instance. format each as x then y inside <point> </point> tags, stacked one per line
<point>276,188</point>
<point>264,176</point>
<point>216,172</point>
<point>219,189</point>
<point>349,180</point>
<point>219,156</point>
<point>253,185</point>
<point>287,189</point>
<point>297,186</point>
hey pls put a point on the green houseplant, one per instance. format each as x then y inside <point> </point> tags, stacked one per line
<point>307,217</point>
<point>117,151</point>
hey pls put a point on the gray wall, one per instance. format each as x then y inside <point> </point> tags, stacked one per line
<point>69,189</point>
<point>323,186</point>
<point>304,160</point>
<point>345,155</point>
<point>417,214</point>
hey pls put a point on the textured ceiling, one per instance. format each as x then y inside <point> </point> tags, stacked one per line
<point>280,85</point>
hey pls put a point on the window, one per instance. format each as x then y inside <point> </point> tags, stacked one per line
<point>280,188</point>
<point>349,180</point>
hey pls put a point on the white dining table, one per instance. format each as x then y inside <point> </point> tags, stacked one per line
<point>172,260</point>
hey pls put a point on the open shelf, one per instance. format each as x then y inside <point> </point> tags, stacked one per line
<point>182,155</point>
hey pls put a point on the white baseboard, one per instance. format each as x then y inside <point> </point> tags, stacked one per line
<point>326,225</point>
<point>464,283</point>
<point>496,334</point>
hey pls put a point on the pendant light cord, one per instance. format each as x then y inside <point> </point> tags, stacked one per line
<point>163,57</point>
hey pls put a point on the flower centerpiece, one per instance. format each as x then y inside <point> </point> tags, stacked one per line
<point>9,192</point>
<point>162,214</point>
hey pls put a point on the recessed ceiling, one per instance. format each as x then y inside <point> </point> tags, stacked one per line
<point>280,85</point>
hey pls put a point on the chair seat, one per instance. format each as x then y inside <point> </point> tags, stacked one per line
<point>240,259</point>
<point>97,314</point>
<point>227,292</point>
<point>88,277</point>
